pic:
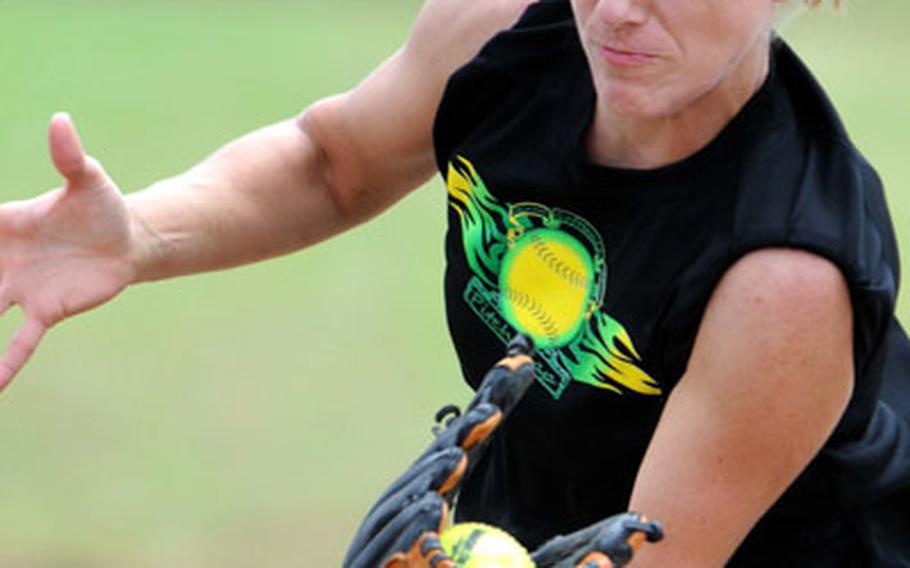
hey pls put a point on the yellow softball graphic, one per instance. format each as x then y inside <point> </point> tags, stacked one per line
<point>545,286</point>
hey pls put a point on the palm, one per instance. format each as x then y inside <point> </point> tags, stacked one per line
<point>63,252</point>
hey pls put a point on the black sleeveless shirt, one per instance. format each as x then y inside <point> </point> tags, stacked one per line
<point>610,270</point>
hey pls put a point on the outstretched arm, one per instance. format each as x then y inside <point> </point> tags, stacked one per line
<point>768,379</point>
<point>271,192</point>
<point>344,160</point>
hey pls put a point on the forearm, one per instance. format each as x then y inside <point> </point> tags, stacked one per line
<point>260,196</point>
<point>769,377</point>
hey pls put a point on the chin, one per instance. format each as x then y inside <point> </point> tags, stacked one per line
<point>633,102</point>
<point>641,100</point>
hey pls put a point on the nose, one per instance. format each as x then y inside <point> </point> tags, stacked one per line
<point>618,13</point>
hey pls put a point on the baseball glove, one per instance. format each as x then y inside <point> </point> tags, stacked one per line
<point>402,528</point>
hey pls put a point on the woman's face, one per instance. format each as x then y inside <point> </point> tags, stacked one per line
<point>653,58</point>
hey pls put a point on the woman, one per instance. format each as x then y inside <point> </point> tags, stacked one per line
<point>655,191</point>
<point>746,322</point>
<point>682,154</point>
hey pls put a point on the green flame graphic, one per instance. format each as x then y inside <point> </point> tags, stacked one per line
<point>601,353</point>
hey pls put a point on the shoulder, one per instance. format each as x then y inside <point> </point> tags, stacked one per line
<point>369,155</point>
<point>781,298</point>
<point>779,321</point>
<point>779,309</point>
<point>790,280</point>
<point>448,33</point>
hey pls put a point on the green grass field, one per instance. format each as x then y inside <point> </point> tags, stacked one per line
<point>249,417</point>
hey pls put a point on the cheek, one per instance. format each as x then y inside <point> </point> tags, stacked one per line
<point>708,54</point>
<point>714,42</point>
<point>704,65</point>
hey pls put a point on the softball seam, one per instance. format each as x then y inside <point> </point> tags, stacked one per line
<point>552,261</point>
<point>524,300</point>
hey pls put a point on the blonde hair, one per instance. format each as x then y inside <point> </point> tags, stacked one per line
<point>787,11</point>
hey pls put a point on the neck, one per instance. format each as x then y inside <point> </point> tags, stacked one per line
<point>652,142</point>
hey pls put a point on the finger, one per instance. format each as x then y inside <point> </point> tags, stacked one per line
<point>66,148</point>
<point>20,349</point>
<point>68,155</point>
<point>5,305</point>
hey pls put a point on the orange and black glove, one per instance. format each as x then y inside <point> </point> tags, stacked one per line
<point>402,528</point>
<point>607,544</point>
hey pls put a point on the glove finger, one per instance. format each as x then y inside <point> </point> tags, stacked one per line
<point>427,551</point>
<point>652,531</point>
<point>467,430</point>
<point>440,469</point>
<point>401,533</point>
<point>616,537</point>
<point>506,383</point>
<point>430,475</point>
<point>562,550</point>
<point>567,550</point>
<point>431,471</point>
<point>477,425</point>
<point>621,538</point>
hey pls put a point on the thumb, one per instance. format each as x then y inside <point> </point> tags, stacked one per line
<point>68,156</point>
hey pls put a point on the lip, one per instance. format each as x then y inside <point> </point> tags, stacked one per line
<point>623,58</point>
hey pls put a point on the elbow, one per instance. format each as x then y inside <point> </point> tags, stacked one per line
<point>334,163</point>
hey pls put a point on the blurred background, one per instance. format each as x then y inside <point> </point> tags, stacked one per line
<point>250,417</point>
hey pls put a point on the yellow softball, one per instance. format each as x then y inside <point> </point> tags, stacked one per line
<point>476,545</point>
<point>545,286</point>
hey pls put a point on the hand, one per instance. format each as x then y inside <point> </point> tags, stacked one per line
<point>402,529</point>
<point>64,252</point>
<point>607,544</point>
